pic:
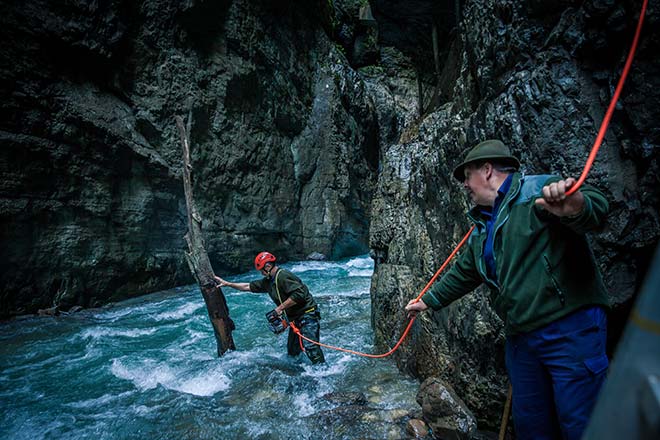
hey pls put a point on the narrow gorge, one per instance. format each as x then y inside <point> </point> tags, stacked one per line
<point>328,127</point>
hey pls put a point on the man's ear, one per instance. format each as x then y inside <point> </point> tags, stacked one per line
<point>488,170</point>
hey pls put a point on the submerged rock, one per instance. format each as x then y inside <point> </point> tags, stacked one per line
<point>346,398</point>
<point>75,309</point>
<point>52,311</point>
<point>316,256</point>
<point>417,428</point>
<point>363,422</point>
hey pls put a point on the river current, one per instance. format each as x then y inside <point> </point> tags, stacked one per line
<point>147,368</point>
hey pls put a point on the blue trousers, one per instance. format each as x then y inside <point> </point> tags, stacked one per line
<point>556,373</point>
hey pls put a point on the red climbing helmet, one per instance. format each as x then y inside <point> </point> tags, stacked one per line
<point>263,258</point>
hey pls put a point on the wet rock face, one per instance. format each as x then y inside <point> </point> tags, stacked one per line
<point>285,144</point>
<point>445,412</point>
<point>296,151</point>
<point>346,398</point>
<point>538,75</point>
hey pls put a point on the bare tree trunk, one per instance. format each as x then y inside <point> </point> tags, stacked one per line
<point>198,259</point>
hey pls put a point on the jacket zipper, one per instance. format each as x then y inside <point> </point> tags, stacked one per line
<point>560,293</point>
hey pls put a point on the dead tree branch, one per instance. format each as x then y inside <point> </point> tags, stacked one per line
<point>198,259</point>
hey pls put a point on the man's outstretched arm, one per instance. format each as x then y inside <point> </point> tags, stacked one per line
<point>245,287</point>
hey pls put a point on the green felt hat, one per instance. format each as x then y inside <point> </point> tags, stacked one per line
<point>486,150</point>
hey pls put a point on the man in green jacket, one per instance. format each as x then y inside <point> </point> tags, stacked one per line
<point>529,248</point>
<point>293,301</point>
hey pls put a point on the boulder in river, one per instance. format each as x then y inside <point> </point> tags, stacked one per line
<point>316,256</point>
<point>445,412</point>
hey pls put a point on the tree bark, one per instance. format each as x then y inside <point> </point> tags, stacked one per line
<point>198,259</point>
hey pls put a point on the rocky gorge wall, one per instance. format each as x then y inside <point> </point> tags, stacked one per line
<point>285,145</point>
<point>307,137</point>
<point>539,76</point>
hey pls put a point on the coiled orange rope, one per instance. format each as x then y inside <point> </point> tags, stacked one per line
<point>590,160</point>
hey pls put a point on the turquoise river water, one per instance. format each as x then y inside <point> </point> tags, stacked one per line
<point>146,368</point>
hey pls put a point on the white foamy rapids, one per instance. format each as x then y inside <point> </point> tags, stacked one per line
<point>359,266</point>
<point>335,368</point>
<point>114,314</point>
<point>148,374</point>
<point>353,294</point>
<point>307,266</point>
<point>187,309</point>
<point>134,310</point>
<point>262,354</point>
<point>193,338</point>
<point>361,262</point>
<point>101,332</point>
<point>143,410</point>
<point>303,405</point>
<point>360,272</point>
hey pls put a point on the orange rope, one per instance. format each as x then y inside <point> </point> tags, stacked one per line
<point>590,160</point>
<point>411,320</point>
<point>610,109</point>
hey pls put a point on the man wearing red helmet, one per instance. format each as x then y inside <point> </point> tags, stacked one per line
<point>292,298</point>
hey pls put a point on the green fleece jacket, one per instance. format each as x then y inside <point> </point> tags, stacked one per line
<point>288,286</point>
<point>545,267</point>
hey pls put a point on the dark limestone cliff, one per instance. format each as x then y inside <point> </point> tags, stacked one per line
<point>538,75</point>
<point>285,144</point>
<point>307,137</point>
